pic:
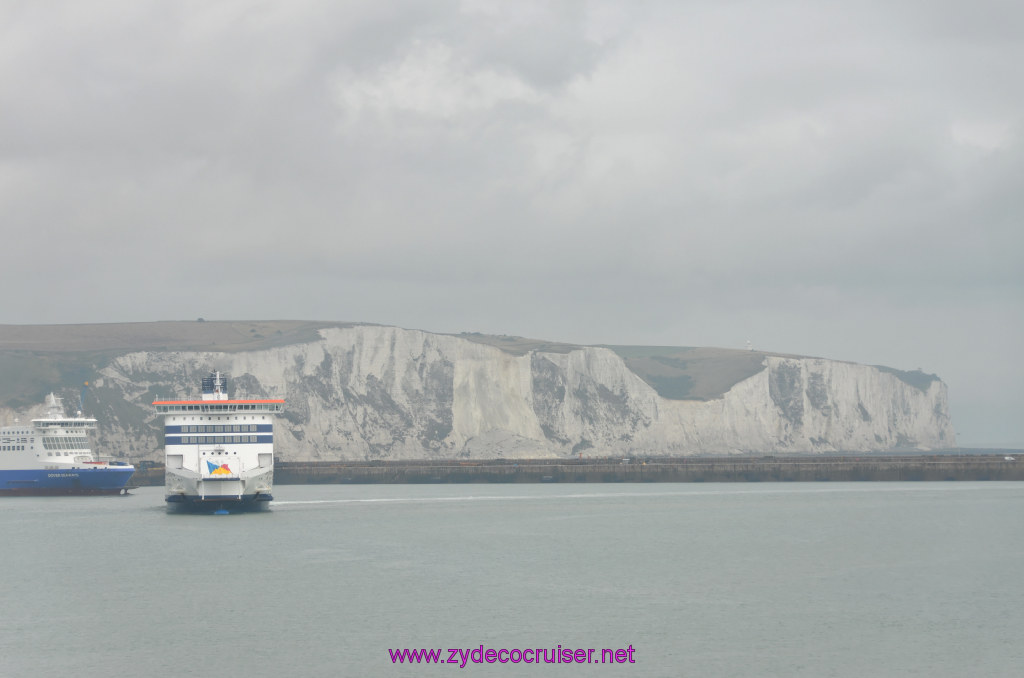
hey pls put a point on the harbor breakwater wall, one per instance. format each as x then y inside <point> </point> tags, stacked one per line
<point>721,469</point>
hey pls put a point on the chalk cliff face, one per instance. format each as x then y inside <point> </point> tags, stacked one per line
<point>370,392</point>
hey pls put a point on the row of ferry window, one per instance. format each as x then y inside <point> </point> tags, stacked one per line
<point>58,454</point>
<point>65,443</point>
<point>11,448</point>
<point>231,418</point>
<point>196,440</point>
<point>232,428</point>
<point>269,407</point>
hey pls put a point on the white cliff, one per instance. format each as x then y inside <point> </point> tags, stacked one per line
<point>370,392</point>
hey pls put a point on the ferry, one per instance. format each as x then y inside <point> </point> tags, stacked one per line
<point>219,452</point>
<point>53,457</point>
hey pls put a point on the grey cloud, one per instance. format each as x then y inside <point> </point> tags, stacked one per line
<point>826,178</point>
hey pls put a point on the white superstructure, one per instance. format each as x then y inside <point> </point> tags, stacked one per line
<point>219,451</point>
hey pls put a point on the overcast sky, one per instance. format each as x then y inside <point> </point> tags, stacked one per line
<point>837,179</point>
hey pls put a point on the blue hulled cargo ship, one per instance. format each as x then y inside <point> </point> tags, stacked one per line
<point>53,457</point>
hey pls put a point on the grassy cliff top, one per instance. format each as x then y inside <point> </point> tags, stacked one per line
<point>35,359</point>
<point>691,373</point>
<point>177,335</point>
<point>675,372</point>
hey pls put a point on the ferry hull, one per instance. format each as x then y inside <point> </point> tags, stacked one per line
<point>180,503</point>
<point>65,482</point>
<point>190,493</point>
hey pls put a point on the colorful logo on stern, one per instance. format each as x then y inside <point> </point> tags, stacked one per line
<point>216,470</point>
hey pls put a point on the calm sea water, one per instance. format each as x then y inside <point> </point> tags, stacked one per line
<point>869,579</point>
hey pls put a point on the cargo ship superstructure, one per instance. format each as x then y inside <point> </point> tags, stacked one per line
<point>219,452</point>
<point>53,456</point>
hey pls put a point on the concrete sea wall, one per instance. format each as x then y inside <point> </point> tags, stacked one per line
<point>725,469</point>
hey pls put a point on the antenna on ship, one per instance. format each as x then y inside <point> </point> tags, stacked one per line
<point>81,399</point>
